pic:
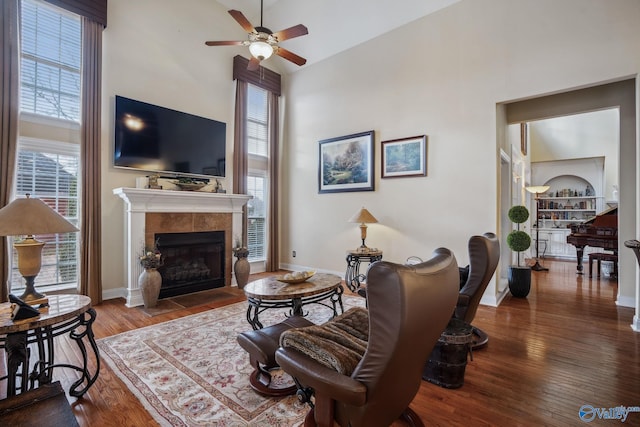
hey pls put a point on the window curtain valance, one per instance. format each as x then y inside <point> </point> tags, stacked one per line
<point>262,77</point>
<point>94,10</point>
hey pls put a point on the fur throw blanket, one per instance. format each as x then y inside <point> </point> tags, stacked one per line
<point>339,343</point>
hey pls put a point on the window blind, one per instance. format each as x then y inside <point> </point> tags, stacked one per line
<point>48,170</point>
<point>256,217</point>
<point>51,41</point>
<point>257,114</point>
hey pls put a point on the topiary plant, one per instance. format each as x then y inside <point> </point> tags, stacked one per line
<point>518,240</point>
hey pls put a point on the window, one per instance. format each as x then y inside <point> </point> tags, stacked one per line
<point>50,70</point>
<point>50,61</point>
<point>257,134</point>
<point>257,114</point>
<point>256,215</point>
<point>48,171</point>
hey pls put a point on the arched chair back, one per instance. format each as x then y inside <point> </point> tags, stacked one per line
<point>484,254</point>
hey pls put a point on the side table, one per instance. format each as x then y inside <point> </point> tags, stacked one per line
<point>66,314</point>
<point>353,278</point>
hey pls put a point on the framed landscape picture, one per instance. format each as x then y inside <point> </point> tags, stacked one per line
<point>346,163</point>
<point>404,157</point>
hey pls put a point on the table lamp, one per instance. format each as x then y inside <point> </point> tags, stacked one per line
<point>26,217</point>
<point>537,190</point>
<point>364,217</point>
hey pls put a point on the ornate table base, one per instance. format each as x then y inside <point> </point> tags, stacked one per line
<point>264,294</point>
<point>353,278</point>
<point>257,305</point>
<point>63,318</point>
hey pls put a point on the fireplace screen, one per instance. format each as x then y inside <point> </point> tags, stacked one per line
<point>192,262</point>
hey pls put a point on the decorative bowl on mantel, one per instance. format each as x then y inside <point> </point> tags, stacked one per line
<point>190,186</point>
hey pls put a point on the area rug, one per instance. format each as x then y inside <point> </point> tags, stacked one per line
<point>192,372</point>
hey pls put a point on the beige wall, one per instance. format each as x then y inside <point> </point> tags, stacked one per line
<point>441,75</point>
<point>593,134</point>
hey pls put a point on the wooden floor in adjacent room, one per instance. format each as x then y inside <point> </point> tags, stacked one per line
<point>565,346</point>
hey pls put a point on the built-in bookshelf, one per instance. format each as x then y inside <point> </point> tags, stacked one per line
<point>556,212</point>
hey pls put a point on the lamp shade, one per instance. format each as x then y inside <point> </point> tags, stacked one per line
<point>537,189</point>
<point>27,216</point>
<point>261,50</point>
<point>363,216</point>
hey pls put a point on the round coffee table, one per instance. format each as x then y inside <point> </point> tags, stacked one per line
<point>324,289</point>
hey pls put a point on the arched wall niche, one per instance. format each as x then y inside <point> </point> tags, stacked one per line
<point>590,170</point>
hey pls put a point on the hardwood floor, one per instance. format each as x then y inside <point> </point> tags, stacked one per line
<point>564,346</point>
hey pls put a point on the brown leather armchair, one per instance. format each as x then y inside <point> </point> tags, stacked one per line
<point>484,253</point>
<point>409,307</point>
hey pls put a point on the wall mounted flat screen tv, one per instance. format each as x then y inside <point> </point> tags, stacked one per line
<point>158,139</point>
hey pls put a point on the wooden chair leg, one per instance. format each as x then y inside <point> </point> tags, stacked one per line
<point>323,411</point>
<point>310,419</point>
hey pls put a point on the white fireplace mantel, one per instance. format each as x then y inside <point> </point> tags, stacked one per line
<point>139,201</point>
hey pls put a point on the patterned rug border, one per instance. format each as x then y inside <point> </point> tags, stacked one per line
<point>144,398</point>
<point>190,382</point>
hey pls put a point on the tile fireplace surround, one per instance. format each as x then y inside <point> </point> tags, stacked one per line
<point>160,211</point>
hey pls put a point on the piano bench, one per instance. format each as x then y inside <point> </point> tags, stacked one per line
<point>602,256</point>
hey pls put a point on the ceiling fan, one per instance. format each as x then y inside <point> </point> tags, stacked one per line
<point>263,42</point>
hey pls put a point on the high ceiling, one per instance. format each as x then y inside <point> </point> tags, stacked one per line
<point>334,25</point>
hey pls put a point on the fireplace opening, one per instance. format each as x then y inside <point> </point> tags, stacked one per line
<point>193,262</point>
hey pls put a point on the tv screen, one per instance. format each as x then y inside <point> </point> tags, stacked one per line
<point>158,139</point>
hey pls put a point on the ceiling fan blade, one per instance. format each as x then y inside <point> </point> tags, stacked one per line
<point>290,56</point>
<point>225,43</point>
<point>289,33</point>
<point>254,64</point>
<point>244,22</point>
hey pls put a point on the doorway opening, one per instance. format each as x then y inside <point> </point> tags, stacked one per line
<point>620,95</point>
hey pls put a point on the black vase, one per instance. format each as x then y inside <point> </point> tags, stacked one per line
<point>519,281</point>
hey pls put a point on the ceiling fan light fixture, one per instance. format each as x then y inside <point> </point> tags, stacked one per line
<point>261,50</point>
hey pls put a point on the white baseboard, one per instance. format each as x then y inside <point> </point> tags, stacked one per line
<point>114,293</point>
<point>626,301</point>
<point>133,300</point>
<point>636,323</point>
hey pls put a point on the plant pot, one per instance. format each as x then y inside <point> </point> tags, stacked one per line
<point>519,281</point>
<point>150,282</point>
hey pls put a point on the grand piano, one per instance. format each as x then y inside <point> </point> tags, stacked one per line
<point>601,231</point>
